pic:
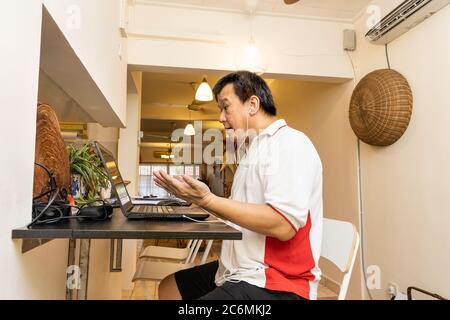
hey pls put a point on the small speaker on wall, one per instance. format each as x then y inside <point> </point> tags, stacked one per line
<point>349,40</point>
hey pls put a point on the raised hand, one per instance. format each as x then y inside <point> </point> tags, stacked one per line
<point>184,187</point>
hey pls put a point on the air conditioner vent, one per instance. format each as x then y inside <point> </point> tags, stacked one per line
<point>403,18</point>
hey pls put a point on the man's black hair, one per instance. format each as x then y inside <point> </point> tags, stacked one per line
<point>247,84</point>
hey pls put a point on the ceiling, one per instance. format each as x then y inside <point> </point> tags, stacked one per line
<point>174,92</point>
<point>347,10</point>
<point>157,133</point>
<point>173,89</point>
<point>165,126</point>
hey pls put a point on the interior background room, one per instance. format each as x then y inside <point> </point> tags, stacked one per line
<point>114,80</point>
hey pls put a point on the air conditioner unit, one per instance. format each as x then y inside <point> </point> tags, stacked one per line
<point>403,18</point>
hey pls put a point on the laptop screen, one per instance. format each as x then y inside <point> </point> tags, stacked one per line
<point>115,176</point>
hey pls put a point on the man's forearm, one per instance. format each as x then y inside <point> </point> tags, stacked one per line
<point>260,218</point>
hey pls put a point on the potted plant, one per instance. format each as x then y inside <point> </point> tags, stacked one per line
<point>88,175</point>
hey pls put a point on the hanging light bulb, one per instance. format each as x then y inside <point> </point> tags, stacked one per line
<point>249,57</point>
<point>189,130</point>
<point>204,92</point>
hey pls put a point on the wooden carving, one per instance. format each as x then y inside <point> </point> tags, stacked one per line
<point>50,151</point>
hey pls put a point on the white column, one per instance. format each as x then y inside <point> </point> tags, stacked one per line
<point>40,273</point>
<point>128,162</point>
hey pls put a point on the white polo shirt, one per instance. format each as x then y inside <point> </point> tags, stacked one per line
<point>282,169</point>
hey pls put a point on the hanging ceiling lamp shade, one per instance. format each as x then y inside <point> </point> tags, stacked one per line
<point>204,92</point>
<point>189,130</point>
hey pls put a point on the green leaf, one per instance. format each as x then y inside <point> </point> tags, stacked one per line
<point>84,161</point>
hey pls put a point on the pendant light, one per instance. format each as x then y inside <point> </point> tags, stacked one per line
<point>204,92</point>
<point>189,130</point>
<point>250,57</point>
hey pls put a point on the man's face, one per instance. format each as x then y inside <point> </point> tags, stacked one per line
<point>233,112</point>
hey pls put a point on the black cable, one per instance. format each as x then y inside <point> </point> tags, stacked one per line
<point>59,208</point>
<point>78,214</point>
<point>50,175</point>
<point>50,202</point>
<point>52,181</point>
<point>104,217</point>
<point>49,172</point>
<point>43,194</point>
<point>387,56</point>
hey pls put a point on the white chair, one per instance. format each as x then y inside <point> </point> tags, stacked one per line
<point>169,253</point>
<point>340,244</point>
<point>148,269</point>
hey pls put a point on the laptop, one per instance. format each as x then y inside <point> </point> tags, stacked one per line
<point>172,201</point>
<point>142,211</point>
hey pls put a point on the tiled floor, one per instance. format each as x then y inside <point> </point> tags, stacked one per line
<point>145,290</point>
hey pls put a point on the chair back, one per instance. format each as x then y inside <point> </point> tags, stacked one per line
<point>340,244</point>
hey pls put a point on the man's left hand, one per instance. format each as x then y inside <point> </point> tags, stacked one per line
<point>184,187</point>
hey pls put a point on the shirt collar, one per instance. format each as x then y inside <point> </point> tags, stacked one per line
<point>274,127</point>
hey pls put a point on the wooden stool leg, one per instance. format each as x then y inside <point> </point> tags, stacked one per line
<point>85,246</point>
<point>70,292</point>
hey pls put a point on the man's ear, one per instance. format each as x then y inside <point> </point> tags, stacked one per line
<point>254,105</point>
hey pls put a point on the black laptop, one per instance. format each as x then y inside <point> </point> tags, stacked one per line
<point>142,211</point>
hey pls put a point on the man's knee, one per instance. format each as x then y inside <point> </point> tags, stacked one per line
<point>168,289</point>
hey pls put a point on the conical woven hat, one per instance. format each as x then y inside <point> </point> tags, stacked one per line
<point>381,107</point>
<point>50,151</point>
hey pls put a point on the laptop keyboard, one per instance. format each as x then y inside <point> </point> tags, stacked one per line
<point>166,212</point>
<point>153,211</point>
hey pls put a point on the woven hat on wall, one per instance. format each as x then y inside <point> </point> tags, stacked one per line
<point>50,151</point>
<point>381,107</point>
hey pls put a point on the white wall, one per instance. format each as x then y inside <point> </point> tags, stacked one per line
<point>128,153</point>
<point>170,36</point>
<point>97,42</point>
<point>406,186</point>
<point>107,136</point>
<point>40,273</point>
<point>102,283</point>
<point>128,162</point>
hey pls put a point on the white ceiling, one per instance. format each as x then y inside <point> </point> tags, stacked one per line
<point>173,89</point>
<point>347,10</point>
<point>176,90</point>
